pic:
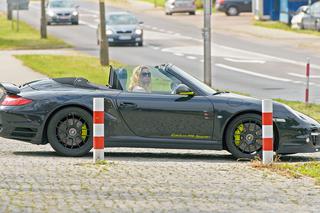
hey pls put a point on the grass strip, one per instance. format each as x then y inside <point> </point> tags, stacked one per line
<point>55,66</point>
<point>26,38</point>
<point>283,26</point>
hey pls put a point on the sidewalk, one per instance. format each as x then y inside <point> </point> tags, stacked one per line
<point>13,71</point>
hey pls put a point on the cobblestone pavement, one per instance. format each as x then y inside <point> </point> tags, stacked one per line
<point>34,179</point>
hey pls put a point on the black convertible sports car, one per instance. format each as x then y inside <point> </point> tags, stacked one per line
<point>175,111</point>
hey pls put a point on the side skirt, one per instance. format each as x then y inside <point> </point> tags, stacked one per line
<point>141,142</point>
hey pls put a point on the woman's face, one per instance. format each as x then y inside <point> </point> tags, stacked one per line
<point>145,76</point>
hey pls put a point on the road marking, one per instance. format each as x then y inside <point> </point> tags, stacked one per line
<point>303,76</point>
<point>90,11</point>
<point>178,54</point>
<point>155,47</point>
<point>252,73</point>
<point>88,24</point>
<point>191,57</point>
<point>245,61</point>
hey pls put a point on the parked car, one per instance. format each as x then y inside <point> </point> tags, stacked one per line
<point>122,28</point>
<point>61,11</point>
<point>234,7</point>
<point>302,12</point>
<point>175,111</point>
<point>180,6</point>
<point>312,20</point>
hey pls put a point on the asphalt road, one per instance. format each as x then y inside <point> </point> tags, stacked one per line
<point>261,69</point>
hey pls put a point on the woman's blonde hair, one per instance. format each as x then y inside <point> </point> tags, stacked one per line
<point>136,81</point>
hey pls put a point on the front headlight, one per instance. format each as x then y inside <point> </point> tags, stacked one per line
<point>138,31</point>
<point>109,32</point>
<point>51,13</point>
<point>75,13</point>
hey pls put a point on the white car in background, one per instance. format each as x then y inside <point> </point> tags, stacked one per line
<point>302,12</point>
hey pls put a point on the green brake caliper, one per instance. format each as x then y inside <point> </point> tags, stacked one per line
<point>237,133</point>
<point>84,132</point>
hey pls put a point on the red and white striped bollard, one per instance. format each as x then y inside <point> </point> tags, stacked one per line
<point>267,132</point>
<point>98,129</point>
<point>308,81</point>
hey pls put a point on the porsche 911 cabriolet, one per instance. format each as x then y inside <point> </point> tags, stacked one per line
<point>150,107</point>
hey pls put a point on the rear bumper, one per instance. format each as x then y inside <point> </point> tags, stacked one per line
<point>20,126</point>
<point>221,7</point>
<point>181,9</point>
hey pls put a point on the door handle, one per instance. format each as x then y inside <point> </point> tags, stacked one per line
<point>128,105</point>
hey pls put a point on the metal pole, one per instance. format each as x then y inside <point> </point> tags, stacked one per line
<point>43,24</point>
<point>104,45</point>
<point>18,11</point>
<point>207,42</point>
<point>308,81</point>
<point>9,11</point>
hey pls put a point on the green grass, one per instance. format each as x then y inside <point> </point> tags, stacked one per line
<point>26,38</point>
<point>55,66</point>
<point>313,110</point>
<point>310,169</point>
<point>282,26</point>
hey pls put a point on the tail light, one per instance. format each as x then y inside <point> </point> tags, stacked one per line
<point>220,1</point>
<point>15,100</point>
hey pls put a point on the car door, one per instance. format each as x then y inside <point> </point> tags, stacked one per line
<point>160,114</point>
<point>246,6</point>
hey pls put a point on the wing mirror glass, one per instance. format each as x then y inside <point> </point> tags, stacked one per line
<point>183,89</point>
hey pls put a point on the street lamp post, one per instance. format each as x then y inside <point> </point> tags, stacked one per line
<point>207,42</point>
<point>104,46</point>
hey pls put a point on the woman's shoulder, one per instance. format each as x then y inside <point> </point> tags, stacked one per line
<point>138,89</point>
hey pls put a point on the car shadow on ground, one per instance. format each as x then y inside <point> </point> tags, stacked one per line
<point>167,157</point>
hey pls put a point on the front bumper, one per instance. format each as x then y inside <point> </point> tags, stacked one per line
<point>62,19</point>
<point>124,39</point>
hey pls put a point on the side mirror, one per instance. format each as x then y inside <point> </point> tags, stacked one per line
<point>183,89</point>
<point>141,22</point>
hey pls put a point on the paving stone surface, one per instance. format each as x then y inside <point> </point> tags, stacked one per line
<point>34,179</point>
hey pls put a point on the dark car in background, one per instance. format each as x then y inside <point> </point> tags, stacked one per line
<point>62,11</point>
<point>311,20</point>
<point>234,7</point>
<point>122,28</point>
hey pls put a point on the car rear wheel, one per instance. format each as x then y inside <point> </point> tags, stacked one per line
<point>232,11</point>
<point>192,13</point>
<point>140,44</point>
<point>244,136</point>
<point>70,132</point>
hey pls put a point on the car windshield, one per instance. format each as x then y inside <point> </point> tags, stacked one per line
<point>208,90</point>
<point>121,19</point>
<point>60,4</point>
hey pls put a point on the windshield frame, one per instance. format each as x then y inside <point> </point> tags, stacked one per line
<point>65,4</point>
<point>200,87</point>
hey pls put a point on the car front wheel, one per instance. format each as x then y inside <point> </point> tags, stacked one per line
<point>232,11</point>
<point>244,136</point>
<point>70,132</point>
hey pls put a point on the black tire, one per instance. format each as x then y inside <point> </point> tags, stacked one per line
<point>169,14</point>
<point>60,132</point>
<point>192,13</point>
<point>48,23</point>
<point>98,42</point>
<point>232,11</point>
<point>140,44</point>
<point>245,142</point>
<point>75,23</point>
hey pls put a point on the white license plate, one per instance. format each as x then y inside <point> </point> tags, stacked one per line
<point>125,37</point>
<point>64,18</point>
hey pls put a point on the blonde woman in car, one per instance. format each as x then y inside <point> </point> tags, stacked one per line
<point>140,80</point>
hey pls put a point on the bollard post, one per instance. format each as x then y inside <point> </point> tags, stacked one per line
<point>308,81</point>
<point>98,129</point>
<point>267,132</point>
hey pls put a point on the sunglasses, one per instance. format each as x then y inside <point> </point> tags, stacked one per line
<point>146,74</point>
